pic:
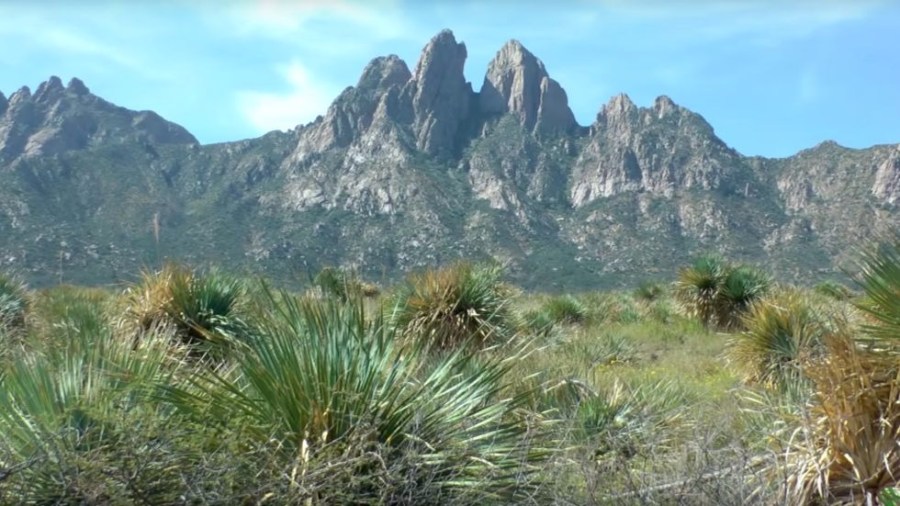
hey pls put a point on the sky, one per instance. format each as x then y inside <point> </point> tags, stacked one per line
<point>772,77</point>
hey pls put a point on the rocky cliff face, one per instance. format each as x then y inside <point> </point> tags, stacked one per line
<point>56,119</point>
<point>412,168</point>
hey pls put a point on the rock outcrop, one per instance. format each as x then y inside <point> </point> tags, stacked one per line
<point>57,119</point>
<point>517,83</point>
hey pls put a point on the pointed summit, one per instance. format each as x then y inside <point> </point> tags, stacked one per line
<point>384,72</point>
<point>3,103</point>
<point>439,94</point>
<point>77,87</point>
<point>517,82</point>
<point>49,89</point>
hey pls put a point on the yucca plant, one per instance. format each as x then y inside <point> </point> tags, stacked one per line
<point>198,306</point>
<point>65,411</point>
<point>741,287</point>
<point>879,279</point>
<point>13,299</point>
<point>848,450</point>
<point>565,309</point>
<point>317,374</point>
<point>833,289</point>
<point>456,305</point>
<point>648,291</point>
<point>781,332</point>
<point>698,285</point>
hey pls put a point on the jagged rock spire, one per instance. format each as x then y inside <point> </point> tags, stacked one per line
<point>439,94</point>
<point>517,82</point>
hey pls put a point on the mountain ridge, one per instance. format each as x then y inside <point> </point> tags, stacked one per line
<point>410,168</point>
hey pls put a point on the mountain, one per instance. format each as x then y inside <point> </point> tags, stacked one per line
<point>410,168</point>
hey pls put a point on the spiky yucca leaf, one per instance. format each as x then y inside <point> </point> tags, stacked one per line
<point>781,332</point>
<point>315,373</point>
<point>60,406</point>
<point>698,286</point>
<point>849,450</point>
<point>565,309</point>
<point>455,305</point>
<point>880,280</point>
<point>197,305</point>
<point>13,298</point>
<point>741,287</point>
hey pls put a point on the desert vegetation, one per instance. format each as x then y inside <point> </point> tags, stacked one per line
<point>453,387</point>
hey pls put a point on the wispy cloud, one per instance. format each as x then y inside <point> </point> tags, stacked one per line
<point>285,19</point>
<point>306,98</point>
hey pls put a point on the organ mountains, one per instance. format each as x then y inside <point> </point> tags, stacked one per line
<point>416,167</point>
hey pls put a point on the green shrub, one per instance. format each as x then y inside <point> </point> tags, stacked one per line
<point>781,333</point>
<point>834,290</point>
<point>741,287</point>
<point>718,293</point>
<point>344,285</point>
<point>13,299</point>
<point>458,304</point>
<point>198,306</point>
<point>319,377</point>
<point>648,291</point>
<point>565,309</point>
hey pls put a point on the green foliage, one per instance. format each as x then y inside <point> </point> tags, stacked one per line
<point>455,305</point>
<point>342,284</point>
<point>65,410</point>
<point>198,306</point>
<point>833,289</point>
<point>317,375</point>
<point>565,309</point>
<point>879,279</point>
<point>649,291</point>
<point>782,332</point>
<point>718,293</point>
<point>13,300</point>
<point>741,287</point>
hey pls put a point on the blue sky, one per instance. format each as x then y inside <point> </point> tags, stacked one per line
<point>772,77</point>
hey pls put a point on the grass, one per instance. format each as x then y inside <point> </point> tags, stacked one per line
<point>453,388</point>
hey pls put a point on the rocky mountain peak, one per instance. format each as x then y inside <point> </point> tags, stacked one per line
<point>3,103</point>
<point>663,106</point>
<point>384,72</point>
<point>57,119</point>
<point>77,87</point>
<point>517,82</point>
<point>21,95</point>
<point>49,90</point>
<point>439,94</point>
<point>619,106</point>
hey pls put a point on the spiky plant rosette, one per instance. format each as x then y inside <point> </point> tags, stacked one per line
<point>458,304</point>
<point>848,450</point>
<point>698,285</point>
<point>13,299</point>
<point>780,333</point>
<point>317,375</point>
<point>879,279</point>
<point>741,287</point>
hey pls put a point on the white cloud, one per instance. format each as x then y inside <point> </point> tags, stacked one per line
<point>307,98</point>
<point>286,19</point>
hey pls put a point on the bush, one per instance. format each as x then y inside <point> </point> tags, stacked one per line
<point>321,378</point>
<point>198,306</point>
<point>648,291</point>
<point>565,309</point>
<point>718,293</point>
<point>13,299</point>
<point>344,285</point>
<point>455,305</point>
<point>834,290</point>
<point>781,333</point>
